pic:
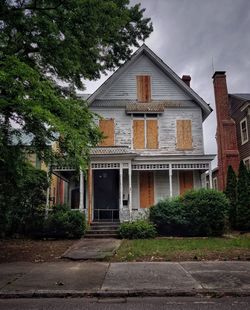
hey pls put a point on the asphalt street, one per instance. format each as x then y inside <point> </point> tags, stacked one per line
<point>147,303</point>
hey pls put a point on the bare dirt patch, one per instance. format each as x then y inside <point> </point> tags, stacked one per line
<point>36,251</point>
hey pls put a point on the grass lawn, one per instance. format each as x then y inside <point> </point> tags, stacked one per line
<point>181,249</point>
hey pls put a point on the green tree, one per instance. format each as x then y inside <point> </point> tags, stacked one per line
<point>231,193</point>
<point>243,202</point>
<point>45,44</point>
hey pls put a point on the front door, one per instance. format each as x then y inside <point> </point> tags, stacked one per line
<point>106,195</point>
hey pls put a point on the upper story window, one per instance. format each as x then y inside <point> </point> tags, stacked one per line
<point>143,88</point>
<point>184,140</point>
<point>107,127</point>
<point>145,133</point>
<point>244,130</point>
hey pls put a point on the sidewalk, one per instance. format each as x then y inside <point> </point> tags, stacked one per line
<point>78,279</point>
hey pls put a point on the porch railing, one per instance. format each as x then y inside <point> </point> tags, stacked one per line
<point>106,214</point>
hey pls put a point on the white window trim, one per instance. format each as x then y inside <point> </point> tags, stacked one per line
<point>215,182</point>
<point>145,119</point>
<point>241,134</point>
<point>246,159</point>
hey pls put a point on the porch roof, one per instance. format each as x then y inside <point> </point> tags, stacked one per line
<point>111,150</point>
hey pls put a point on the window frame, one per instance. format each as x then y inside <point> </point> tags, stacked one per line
<point>137,88</point>
<point>144,118</point>
<point>245,160</point>
<point>243,141</point>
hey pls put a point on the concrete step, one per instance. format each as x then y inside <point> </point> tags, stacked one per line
<point>105,224</point>
<point>101,228</point>
<point>97,236</point>
<point>99,232</point>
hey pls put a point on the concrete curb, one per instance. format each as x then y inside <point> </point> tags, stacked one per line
<point>123,293</point>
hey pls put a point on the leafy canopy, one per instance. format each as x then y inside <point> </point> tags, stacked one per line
<point>43,42</point>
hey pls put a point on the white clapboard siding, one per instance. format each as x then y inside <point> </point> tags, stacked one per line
<point>161,185</point>
<point>167,129</point>
<point>162,87</point>
<point>122,124</point>
<point>197,179</point>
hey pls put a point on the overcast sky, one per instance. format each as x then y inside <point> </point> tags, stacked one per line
<point>195,36</point>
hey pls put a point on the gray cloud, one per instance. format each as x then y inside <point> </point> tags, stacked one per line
<point>191,35</point>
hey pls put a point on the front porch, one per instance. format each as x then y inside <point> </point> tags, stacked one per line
<point>123,190</point>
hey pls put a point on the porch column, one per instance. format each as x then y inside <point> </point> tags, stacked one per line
<point>210,176</point>
<point>130,190</point>
<point>121,187</point>
<point>81,191</point>
<point>90,193</point>
<point>170,181</point>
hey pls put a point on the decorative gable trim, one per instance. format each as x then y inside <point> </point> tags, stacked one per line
<point>206,109</point>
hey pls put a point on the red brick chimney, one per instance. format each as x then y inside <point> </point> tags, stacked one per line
<point>186,79</point>
<point>228,153</point>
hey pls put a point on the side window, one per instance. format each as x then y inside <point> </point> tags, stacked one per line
<point>143,88</point>
<point>107,126</point>
<point>244,131</point>
<point>184,134</point>
<point>247,162</point>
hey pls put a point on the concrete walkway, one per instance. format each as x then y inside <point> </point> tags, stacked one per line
<point>92,249</point>
<point>124,279</point>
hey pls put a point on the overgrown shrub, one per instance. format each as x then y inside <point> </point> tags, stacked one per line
<point>201,212</point>
<point>243,201</point>
<point>22,207</point>
<point>170,217</point>
<point>140,229</point>
<point>231,193</point>
<point>62,222</point>
<point>206,212</point>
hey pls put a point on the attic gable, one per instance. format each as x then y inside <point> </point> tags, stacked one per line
<point>125,86</point>
<point>165,83</point>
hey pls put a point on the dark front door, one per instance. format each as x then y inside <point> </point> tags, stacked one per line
<point>106,195</point>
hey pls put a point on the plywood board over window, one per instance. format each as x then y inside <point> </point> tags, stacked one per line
<point>152,134</point>
<point>138,134</point>
<point>146,189</point>
<point>186,181</point>
<point>184,134</point>
<point>143,88</point>
<point>107,127</point>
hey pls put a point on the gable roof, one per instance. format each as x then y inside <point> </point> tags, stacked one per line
<point>144,49</point>
<point>245,97</point>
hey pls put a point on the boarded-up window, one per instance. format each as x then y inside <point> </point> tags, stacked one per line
<point>143,88</point>
<point>107,127</point>
<point>186,181</point>
<point>139,136</point>
<point>145,133</point>
<point>184,134</point>
<point>146,189</point>
<point>152,134</point>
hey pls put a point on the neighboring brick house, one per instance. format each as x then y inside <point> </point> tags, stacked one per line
<point>152,121</point>
<point>233,127</point>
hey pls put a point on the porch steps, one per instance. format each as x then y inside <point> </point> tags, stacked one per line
<point>102,230</point>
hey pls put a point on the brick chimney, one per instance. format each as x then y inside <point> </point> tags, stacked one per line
<point>186,79</point>
<point>228,153</point>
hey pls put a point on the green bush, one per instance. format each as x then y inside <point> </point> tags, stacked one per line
<point>206,212</point>
<point>62,222</point>
<point>22,208</point>
<point>169,216</point>
<point>139,229</point>
<point>201,212</point>
<point>243,199</point>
